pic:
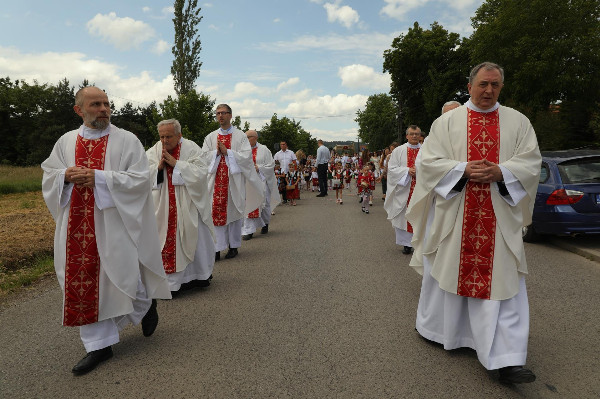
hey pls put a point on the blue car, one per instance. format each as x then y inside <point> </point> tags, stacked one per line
<point>568,196</point>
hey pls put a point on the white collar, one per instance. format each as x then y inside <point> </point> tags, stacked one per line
<point>226,132</point>
<point>92,134</point>
<point>413,145</point>
<point>475,108</point>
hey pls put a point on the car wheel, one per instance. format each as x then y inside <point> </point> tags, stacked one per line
<point>529,234</point>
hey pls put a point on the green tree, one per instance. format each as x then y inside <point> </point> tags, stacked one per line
<point>288,130</point>
<point>377,124</point>
<point>550,51</point>
<point>34,116</point>
<point>187,46</point>
<point>134,120</point>
<point>193,110</point>
<point>428,68</point>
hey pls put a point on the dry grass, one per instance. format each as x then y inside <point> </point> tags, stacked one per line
<point>15,179</point>
<point>27,234</point>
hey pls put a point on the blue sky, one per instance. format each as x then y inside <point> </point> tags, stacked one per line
<point>313,60</point>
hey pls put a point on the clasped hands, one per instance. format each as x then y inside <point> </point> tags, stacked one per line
<point>483,171</point>
<point>166,159</point>
<point>85,177</point>
<point>221,149</point>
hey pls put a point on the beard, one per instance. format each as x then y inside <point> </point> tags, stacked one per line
<point>96,123</point>
<point>100,124</point>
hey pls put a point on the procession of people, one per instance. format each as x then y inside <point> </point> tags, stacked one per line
<point>135,225</point>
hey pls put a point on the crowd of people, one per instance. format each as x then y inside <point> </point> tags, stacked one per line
<point>133,226</point>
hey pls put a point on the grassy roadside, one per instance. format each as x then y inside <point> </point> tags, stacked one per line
<point>13,281</point>
<point>14,179</point>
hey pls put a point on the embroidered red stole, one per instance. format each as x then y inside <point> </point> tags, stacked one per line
<point>168,252</point>
<point>221,192</point>
<point>82,265</point>
<point>479,220</point>
<point>255,213</point>
<point>411,157</point>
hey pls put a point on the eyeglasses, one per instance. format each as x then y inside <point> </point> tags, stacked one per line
<point>413,134</point>
<point>223,113</point>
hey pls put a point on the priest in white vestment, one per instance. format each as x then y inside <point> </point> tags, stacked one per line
<point>477,184</point>
<point>179,170</point>
<point>265,167</point>
<point>234,185</point>
<point>401,180</point>
<point>97,186</point>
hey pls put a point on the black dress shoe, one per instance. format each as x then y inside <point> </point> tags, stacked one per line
<point>247,237</point>
<point>265,229</point>
<point>150,320</point>
<point>321,195</point>
<point>217,256</point>
<point>201,283</point>
<point>232,253</point>
<point>407,250</point>
<point>516,375</point>
<point>91,360</point>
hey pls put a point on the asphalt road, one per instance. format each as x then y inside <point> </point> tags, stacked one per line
<point>321,307</point>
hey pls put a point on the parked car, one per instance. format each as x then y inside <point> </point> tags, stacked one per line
<point>568,196</point>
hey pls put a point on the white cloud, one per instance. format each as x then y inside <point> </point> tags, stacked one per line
<point>146,9</point>
<point>276,20</point>
<point>399,8</point>
<point>299,96</point>
<point>357,76</point>
<point>123,33</point>
<point>51,67</point>
<point>345,15</point>
<point>244,89</point>
<point>160,47</point>
<point>168,10</point>
<point>371,44</point>
<point>333,135</point>
<point>207,5</point>
<point>340,104</point>
<point>288,83</point>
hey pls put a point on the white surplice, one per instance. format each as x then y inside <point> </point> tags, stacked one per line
<point>194,248</point>
<point>498,328</point>
<point>245,191</point>
<point>126,232</point>
<point>398,190</point>
<point>266,172</point>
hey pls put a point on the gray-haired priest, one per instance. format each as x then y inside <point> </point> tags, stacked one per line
<point>233,182</point>
<point>97,187</point>
<point>265,167</point>
<point>182,203</point>
<point>477,184</point>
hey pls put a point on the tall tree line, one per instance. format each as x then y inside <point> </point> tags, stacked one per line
<point>550,51</point>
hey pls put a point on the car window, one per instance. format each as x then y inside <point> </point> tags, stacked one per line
<point>544,173</point>
<point>585,170</point>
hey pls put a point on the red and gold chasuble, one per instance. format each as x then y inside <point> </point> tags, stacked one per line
<point>255,213</point>
<point>221,192</point>
<point>168,252</point>
<point>479,220</point>
<point>411,157</point>
<point>82,265</point>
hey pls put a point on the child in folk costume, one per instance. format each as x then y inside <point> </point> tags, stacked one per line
<point>280,180</point>
<point>315,179</point>
<point>366,184</point>
<point>338,182</point>
<point>348,175</point>
<point>306,173</point>
<point>292,181</point>
<point>330,168</point>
